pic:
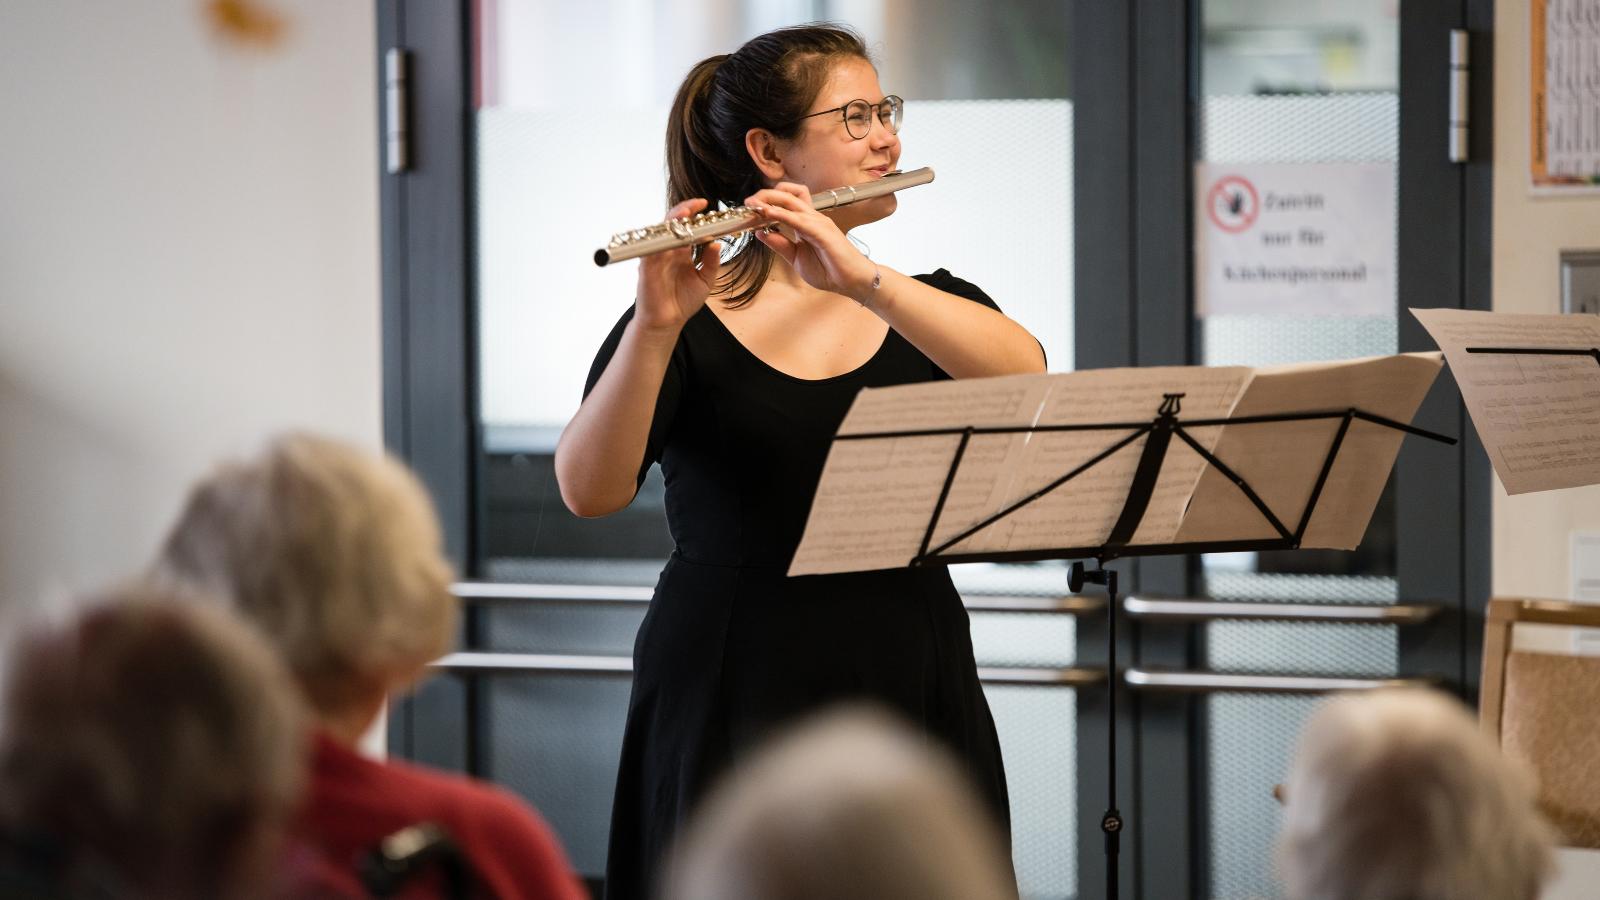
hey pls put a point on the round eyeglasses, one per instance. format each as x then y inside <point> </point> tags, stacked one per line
<point>858,115</point>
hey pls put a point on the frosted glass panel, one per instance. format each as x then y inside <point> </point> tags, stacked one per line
<point>545,201</point>
<point>1289,82</point>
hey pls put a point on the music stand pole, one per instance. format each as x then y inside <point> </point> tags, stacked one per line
<point>1111,822</point>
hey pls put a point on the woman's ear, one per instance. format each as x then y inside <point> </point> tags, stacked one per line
<point>766,152</point>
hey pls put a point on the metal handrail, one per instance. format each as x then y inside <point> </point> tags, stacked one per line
<point>557,664</point>
<point>1205,682</point>
<point>496,592</point>
<point>1208,610</point>
<point>1070,604</point>
<point>1031,676</point>
<point>533,663</point>
<point>493,591</point>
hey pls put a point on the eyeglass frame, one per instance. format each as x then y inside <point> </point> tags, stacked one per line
<point>877,113</point>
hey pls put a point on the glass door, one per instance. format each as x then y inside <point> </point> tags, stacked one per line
<point>570,105</point>
<point>1292,84</point>
<point>1318,212</point>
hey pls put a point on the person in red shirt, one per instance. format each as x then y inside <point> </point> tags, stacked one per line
<point>335,554</point>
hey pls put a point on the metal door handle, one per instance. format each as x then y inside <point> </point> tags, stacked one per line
<point>553,664</point>
<point>1213,610</point>
<point>497,592</point>
<point>1209,682</point>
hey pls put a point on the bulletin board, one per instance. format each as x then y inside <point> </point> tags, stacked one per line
<point>1565,84</point>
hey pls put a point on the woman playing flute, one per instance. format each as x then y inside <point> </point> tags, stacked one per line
<point>737,398</point>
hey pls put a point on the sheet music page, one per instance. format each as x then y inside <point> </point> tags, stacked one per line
<point>1282,460</point>
<point>877,495</point>
<point>1538,416</point>
<point>1081,511</point>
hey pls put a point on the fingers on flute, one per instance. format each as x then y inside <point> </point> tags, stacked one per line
<point>798,191</point>
<point>778,207</point>
<point>796,199</point>
<point>708,260</point>
<point>779,244</point>
<point>687,208</point>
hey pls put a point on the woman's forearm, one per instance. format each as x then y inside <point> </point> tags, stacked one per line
<point>965,339</point>
<point>602,448</point>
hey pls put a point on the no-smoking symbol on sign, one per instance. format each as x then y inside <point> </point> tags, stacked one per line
<point>1233,204</point>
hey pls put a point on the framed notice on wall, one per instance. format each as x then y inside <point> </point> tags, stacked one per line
<point>1294,239</point>
<point>1565,79</point>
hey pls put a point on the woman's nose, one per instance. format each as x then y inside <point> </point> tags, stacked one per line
<point>880,136</point>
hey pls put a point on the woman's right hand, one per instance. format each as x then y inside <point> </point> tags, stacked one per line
<point>671,288</point>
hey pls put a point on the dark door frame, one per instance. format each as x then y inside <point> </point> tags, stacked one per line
<point>430,357</point>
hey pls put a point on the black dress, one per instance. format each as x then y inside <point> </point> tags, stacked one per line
<point>731,648</point>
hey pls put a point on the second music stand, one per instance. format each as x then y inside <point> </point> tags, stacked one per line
<point>1159,433</point>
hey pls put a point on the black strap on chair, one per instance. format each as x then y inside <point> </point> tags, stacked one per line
<point>413,852</point>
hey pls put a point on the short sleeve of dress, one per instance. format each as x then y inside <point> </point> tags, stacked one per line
<point>666,401</point>
<point>950,284</point>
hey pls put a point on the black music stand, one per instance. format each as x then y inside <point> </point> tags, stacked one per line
<point>1160,432</point>
<point>1591,352</point>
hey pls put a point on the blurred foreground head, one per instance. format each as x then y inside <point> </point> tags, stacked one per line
<point>1396,795</point>
<point>334,552</point>
<point>851,805</point>
<point>150,748</point>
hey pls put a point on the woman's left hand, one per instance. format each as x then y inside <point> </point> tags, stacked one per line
<point>812,242</point>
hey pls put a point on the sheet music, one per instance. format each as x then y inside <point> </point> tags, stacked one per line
<point>1538,416</point>
<point>1281,460</point>
<point>1082,511</point>
<point>876,496</point>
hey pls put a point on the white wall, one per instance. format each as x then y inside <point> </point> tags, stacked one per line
<point>1531,530</point>
<point>188,263</point>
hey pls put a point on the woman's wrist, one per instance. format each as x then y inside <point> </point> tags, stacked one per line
<point>866,291</point>
<point>656,337</point>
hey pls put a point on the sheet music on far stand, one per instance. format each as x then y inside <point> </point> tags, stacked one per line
<point>1538,415</point>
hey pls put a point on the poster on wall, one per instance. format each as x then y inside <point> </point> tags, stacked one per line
<point>1565,85</point>
<point>1302,239</point>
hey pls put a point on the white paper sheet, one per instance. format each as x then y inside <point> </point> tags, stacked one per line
<point>877,494</point>
<point>1281,460</point>
<point>1538,416</point>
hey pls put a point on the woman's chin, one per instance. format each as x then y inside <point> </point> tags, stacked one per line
<point>865,212</point>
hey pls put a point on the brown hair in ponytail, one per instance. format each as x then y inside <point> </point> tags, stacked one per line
<point>767,83</point>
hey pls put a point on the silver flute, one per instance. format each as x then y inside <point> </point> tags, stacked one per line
<point>674,234</point>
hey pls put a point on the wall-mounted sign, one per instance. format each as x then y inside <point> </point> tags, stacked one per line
<point>1295,239</point>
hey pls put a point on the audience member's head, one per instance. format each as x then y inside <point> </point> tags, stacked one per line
<point>852,805</point>
<point>151,747</point>
<point>1396,795</point>
<point>335,553</point>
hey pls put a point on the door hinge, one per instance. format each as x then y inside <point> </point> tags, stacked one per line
<point>1460,82</point>
<point>397,130</point>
